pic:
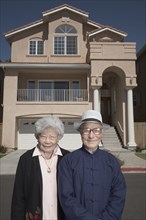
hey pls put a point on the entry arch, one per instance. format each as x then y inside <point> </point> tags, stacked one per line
<point>114,99</point>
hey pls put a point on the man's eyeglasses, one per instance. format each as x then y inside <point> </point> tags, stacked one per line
<point>96,131</point>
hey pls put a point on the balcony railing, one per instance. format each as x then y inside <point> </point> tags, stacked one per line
<point>52,95</point>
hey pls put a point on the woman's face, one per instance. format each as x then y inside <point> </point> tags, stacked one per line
<point>48,140</point>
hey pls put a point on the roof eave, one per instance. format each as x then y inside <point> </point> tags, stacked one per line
<point>65,6</point>
<point>102,30</point>
<point>94,24</point>
<point>26,27</point>
<point>44,66</point>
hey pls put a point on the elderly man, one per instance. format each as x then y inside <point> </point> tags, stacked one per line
<point>91,184</point>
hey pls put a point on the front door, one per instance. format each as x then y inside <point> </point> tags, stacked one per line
<point>106,109</point>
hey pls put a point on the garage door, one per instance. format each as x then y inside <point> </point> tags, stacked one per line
<point>27,140</point>
<point>71,139</point>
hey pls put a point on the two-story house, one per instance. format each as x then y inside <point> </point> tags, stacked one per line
<point>64,64</point>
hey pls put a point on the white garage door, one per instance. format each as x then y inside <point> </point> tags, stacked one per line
<point>27,140</point>
<point>71,139</point>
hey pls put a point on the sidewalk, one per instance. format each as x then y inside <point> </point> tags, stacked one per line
<point>132,163</point>
<point>8,163</point>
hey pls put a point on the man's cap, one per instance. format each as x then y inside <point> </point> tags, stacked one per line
<point>89,115</point>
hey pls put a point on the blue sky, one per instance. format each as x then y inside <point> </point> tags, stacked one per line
<point>126,15</point>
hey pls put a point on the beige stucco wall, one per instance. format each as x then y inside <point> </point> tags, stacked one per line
<point>46,31</point>
<point>14,110</point>
<point>9,106</point>
<point>115,61</point>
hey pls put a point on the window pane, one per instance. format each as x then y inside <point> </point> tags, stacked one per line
<point>31,85</point>
<point>61,91</point>
<point>32,47</point>
<point>45,84</point>
<point>75,91</point>
<point>31,91</point>
<point>65,28</point>
<point>71,45</point>
<point>40,49</point>
<point>61,85</point>
<point>59,45</point>
<point>45,92</point>
<point>75,85</point>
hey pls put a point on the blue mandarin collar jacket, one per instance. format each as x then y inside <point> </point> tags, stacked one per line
<point>91,186</point>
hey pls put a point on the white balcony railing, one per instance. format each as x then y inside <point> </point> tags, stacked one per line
<point>52,95</point>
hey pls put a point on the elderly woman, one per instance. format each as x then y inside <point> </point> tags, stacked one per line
<point>35,188</point>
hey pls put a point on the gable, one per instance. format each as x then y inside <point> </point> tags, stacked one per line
<point>106,34</point>
<point>66,13</point>
<point>65,8</point>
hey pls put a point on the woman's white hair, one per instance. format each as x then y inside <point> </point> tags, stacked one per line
<point>49,122</point>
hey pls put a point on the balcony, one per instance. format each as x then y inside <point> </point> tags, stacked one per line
<point>52,95</point>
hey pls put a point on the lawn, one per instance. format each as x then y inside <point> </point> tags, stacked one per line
<point>2,154</point>
<point>141,155</point>
<point>3,151</point>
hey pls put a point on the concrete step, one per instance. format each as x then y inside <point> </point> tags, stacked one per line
<point>111,140</point>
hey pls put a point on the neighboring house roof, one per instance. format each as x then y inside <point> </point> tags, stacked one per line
<point>141,51</point>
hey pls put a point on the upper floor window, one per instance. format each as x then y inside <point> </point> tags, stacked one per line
<point>36,47</point>
<point>65,40</point>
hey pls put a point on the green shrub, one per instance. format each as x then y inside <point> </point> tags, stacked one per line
<point>3,149</point>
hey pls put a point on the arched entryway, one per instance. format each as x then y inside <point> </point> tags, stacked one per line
<point>113,97</point>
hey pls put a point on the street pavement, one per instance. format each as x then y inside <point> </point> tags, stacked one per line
<point>135,205</point>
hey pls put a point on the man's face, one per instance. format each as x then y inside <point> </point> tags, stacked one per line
<point>91,135</point>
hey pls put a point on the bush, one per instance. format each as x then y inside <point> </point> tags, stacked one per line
<point>139,149</point>
<point>3,149</point>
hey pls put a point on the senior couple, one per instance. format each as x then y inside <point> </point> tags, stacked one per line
<point>54,184</point>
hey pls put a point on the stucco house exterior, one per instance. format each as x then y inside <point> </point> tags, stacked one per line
<point>64,64</point>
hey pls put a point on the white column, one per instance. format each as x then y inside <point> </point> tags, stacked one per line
<point>96,98</point>
<point>131,135</point>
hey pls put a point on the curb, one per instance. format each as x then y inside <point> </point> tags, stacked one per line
<point>136,169</point>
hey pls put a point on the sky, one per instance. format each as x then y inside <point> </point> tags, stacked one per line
<point>125,15</point>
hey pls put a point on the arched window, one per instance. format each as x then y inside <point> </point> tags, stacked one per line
<point>65,40</point>
<point>36,47</point>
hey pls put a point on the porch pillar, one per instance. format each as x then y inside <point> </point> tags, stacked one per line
<point>96,98</point>
<point>131,135</point>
